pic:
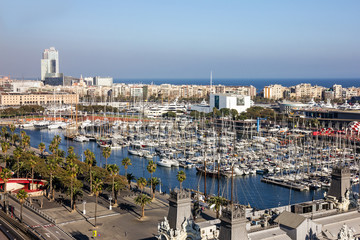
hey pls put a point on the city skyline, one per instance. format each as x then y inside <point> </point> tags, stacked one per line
<point>183,40</point>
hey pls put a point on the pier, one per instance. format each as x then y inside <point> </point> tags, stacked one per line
<point>285,183</point>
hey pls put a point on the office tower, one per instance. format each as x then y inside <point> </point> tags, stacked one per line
<point>50,63</point>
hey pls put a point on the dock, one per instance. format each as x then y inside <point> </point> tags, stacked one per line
<point>285,183</point>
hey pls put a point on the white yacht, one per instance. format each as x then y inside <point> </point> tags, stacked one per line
<point>164,163</point>
<point>81,138</point>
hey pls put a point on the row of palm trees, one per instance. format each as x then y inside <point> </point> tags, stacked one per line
<point>63,171</point>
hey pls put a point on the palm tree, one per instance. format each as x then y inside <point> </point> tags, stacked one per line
<point>117,186</point>
<point>4,132</point>
<point>26,141</point>
<point>141,182</point>
<point>42,148</point>
<point>22,134</point>
<point>181,176</point>
<point>17,155</point>
<point>106,152</point>
<point>5,147</point>
<point>72,170</point>
<point>143,200</point>
<point>52,165</point>
<point>5,175</point>
<point>89,160</point>
<point>151,168</point>
<point>21,196</point>
<point>126,162</point>
<point>76,194</point>
<point>113,169</point>
<point>154,183</point>
<point>15,138</point>
<point>129,178</point>
<point>97,188</point>
<point>217,202</point>
<point>32,164</point>
<point>12,128</point>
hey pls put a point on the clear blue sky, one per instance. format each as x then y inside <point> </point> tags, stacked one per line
<point>183,38</point>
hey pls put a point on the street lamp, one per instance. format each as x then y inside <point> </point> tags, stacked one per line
<point>84,210</point>
<point>110,207</point>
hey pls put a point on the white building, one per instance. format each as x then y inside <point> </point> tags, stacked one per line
<point>103,81</point>
<point>50,63</point>
<point>231,101</point>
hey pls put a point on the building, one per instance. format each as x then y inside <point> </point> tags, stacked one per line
<point>103,81</point>
<point>50,63</point>
<point>275,92</point>
<point>231,101</point>
<point>24,85</point>
<point>19,99</point>
<point>338,91</point>
<point>61,80</point>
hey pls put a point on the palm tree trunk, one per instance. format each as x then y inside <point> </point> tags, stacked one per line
<point>71,195</point>
<point>143,211</point>
<point>90,181</point>
<point>18,168</point>
<point>180,185</point>
<point>113,195</point>
<point>96,202</point>
<point>151,185</point>
<point>21,208</point>
<point>50,192</point>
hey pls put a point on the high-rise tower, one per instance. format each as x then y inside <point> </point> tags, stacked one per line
<point>49,63</point>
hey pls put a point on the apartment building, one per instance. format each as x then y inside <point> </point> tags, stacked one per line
<point>275,91</point>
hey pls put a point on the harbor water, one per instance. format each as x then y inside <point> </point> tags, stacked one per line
<point>247,189</point>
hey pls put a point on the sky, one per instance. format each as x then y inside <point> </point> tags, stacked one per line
<point>183,38</point>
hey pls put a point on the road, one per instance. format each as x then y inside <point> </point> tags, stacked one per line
<point>47,229</point>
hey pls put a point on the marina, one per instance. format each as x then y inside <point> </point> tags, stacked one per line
<point>286,167</point>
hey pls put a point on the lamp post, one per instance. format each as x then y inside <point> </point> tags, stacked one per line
<point>84,210</point>
<point>110,207</point>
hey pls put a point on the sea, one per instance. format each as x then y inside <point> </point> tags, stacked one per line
<point>258,83</point>
<point>248,190</point>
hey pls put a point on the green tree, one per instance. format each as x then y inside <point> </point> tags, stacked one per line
<point>72,170</point>
<point>143,200</point>
<point>12,128</point>
<point>106,152</point>
<point>151,168</point>
<point>113,169</point>
<point>141,182</point>
<point>5,175</point>
<point>52,166</point>
<point>218,202</point>
<point>4,132</point>
<point>126,162</point>
<point>17,155</point>
<point>15,138</point>
<point>25,142</point>
<point>5,147</point>
<point>97,188</point>
<point>89,160</point>
<point>154,181</point>
<point>181,176</point>
<point>130,177</point>
<point>21,196</point>
<point>42,148</point>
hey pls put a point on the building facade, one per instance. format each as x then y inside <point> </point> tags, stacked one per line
<point>231,101</point>
<point>103,81</point>
<point>19,99</point>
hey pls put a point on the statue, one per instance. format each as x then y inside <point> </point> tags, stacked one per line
<point>346,233</point>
